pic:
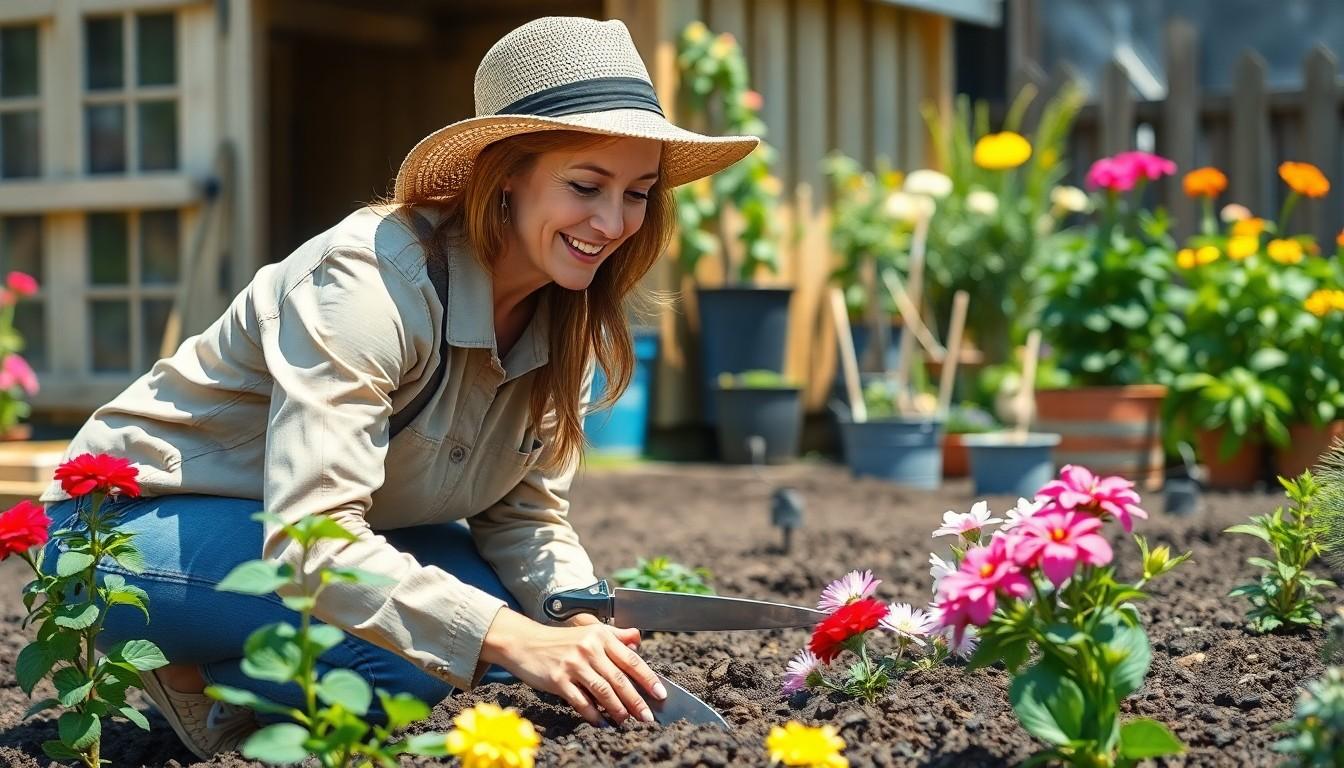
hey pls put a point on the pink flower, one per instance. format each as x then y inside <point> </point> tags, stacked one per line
<point>1078,488</point>
<point>15,372</point>
<point>908,623</point>
<point>967,525</point>
<point>1056,541</point>
<point>21,283</point>
<point>850,588</point>
<point>1146,164</point>
<point>801,667</point>
<point>969,595</point>
<point>1110,175</point>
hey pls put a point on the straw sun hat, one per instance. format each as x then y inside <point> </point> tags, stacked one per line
<point>561,73</point>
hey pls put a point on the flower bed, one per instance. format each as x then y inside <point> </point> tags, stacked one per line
<point>1217,686</point>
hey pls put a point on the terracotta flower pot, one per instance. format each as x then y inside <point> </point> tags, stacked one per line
<point>1238,472</point>
<point>1307,443</point>
<point>1109,430</point>
<point>956,459</point>
<point>17,433</point>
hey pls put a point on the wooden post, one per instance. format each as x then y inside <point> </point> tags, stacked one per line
<point>849,362</point>
<point>1249,166</point>
<point>1026,392</point>
<point>960,301</point>
<point>1320,119</point>
<point>1180,120</point>
<point>1117,110</point>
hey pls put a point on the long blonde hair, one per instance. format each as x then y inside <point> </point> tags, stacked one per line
<point>585,326</point>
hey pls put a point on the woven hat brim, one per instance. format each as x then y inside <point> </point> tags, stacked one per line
<point>439,166</point>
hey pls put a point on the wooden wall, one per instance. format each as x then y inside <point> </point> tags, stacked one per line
<point>846,74</point>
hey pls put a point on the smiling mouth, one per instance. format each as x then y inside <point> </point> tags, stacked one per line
<point>583,247</point>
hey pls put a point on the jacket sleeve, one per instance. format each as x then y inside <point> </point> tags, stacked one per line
<point>337,347</point>
<point>527,538</point>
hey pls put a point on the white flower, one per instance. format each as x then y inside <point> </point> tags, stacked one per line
<point>966,646</point>
<point>982,202</point>
<point>851,587</point>
<point>928,183</point>
<point>800,668</point>
<point>1070,199</point>
<point>910,208</point>
<point>969,524</point>
<point>908,623</point>
<point>1234,212</point>
<point>1022,511</point>
<point>938,568</point>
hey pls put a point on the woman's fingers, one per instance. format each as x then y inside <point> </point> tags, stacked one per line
<point>630,700</point>
<point>580,702</point>
<point>637,670</point>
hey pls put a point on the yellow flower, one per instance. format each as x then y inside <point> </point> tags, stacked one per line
<point>1251,227</point>
<point>1305,179</point>
<point>798,744</point>
<point>1207,255</point>
<point>1285,251</point>
<point>487,736</point>
<point>1239,248</point>
<point>722,45</point>
<point>1185,258</point>
<point>696,32</point>
<point>1000,151</point>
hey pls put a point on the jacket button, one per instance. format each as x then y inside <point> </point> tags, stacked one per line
<point>457,454</point>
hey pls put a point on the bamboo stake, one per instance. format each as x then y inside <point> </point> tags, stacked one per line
<point>849,362</point>
<point>911,319</point>
<point>1026,392</point>
<point>916,284</point>
<point>960,304</point>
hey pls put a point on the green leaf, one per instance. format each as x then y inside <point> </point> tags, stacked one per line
<point>347,688</point>
<point>322,637</point>
<point>1251,530</point>
<point>130,595</point>
<point>58,751</point>
<point>1127,654</point>
<point>34,662</point>
<point>427,744</point>
<point>402,709</point>
<point>248,699</point>
<point>39,706</point>
<point>1267,359</point>
<point>1048,703</point>
<point>272,653</point>
<point>281,743</point>
<point>1144,738</point>
<point>76,616</point>
<point>256,577</point>
<point>71,686</point>
<point>141,654</point>
<point>319,527</point>
<point>299,603</point>
<point>79,730</point>
<point>135,716</point>
<point>128,557</point>
<point>70,563</point>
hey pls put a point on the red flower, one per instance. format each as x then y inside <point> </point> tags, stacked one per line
<point>22,527</point>
<point>830,636</point>
<point>87,473</point>
<point>21,283</point>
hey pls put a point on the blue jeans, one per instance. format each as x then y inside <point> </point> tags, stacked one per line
<point>191,542</point>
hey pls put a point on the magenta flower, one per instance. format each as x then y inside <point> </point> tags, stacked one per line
<point>15,372</point>
<point>1146,164</point>
<point>1078,488</point>
<point>21,283</point>
<point>967,525</point>
<point>1111,175</point>
<point>800,668</point>
<point>969,595</point>
<point>1056,541</point>
<point>851,587</point>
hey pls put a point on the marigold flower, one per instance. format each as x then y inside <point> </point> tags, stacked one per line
<point>800,668</point>
<point>1324,301</point>
<point>1239,248</point>
<point>929,183</point>
<point>908,623</point>
<point>850,588</point>
<point>799,745</point>
<point>1206,255</point>
<point>488,736</point>
<point>1339,239</point>
<point>1056,541</point>
<point>22,527</point>
<point>1285,251</point>
<point>967,525</point>
<point>1078,488</point>
<point>1304,179</point>
<point>1205,182</point>
<point>15,372</point>
<point>103,473</point>
<point>849,621</point>
<point>1001,151</point>
<point>1250,227</point>
<point>1185,258</point>
<point>21,283</point>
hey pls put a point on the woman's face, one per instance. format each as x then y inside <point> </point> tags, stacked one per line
<point>571,209</point>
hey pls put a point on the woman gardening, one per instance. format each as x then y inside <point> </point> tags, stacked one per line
<point>421,364</point>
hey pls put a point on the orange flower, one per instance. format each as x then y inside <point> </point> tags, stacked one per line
<point>1285,251</point>
<point>1304,179</point>
<point>1339,239</point>
<point>1205,182</point>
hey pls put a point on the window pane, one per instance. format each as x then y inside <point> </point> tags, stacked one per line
<point>107,138</point>
<point>158,135</point>
<point>111,334</point>
<point>104,55</point>
<point>19,137</point>
<point>21,248</point>
<point>31,322</point>
<point>159,244</point>
<point>108,264</point>
<point>156,49</point>
<point>18,61</point>
<point>153,318</point>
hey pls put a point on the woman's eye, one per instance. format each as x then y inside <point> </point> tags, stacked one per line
<point>583,190</point>
<point>640,196</point>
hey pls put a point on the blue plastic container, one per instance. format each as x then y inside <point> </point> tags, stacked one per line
<point>904,451</point>
<point>741,329</point>
<point>1002,466</point>
<point>624,428</point>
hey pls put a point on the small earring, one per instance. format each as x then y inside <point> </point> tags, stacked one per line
<point>504,205</point>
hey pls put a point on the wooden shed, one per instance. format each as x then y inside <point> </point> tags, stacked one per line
<point>155,153</point>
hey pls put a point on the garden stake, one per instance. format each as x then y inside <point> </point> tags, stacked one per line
<point>1026,391</point>
<point>960,302</point>
<point>849,363</point>
<point>910,317</point>
<point>916,287</point>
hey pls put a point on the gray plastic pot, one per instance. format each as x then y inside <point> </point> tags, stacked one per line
<point>1001,465</point>
<point>907,451</point>
<point>773,413</point>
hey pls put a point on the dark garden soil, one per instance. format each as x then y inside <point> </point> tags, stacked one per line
<point>1220,688</point>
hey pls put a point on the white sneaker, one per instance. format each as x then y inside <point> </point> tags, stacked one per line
<point>204,725</point>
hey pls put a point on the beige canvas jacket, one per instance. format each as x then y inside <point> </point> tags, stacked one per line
<point>286,399</point>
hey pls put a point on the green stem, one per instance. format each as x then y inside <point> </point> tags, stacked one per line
<point>1285,212</point>
<point>309,663</point>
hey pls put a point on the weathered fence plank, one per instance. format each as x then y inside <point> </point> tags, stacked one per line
<point>1320,119</point>
<point>1249,162</point>
<point>1180,119</point>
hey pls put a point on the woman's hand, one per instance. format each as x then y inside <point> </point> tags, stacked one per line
<point>583,663</point>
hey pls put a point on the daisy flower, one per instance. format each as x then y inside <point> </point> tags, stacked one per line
<point>967,525</point>
<point>851,587</point>
<point>908,623</point>
<point>800,668</point>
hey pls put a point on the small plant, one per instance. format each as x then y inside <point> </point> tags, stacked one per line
<point>88,686</point>
<point>795,744</point>
<point>331,725</point>
<point>663,575</point>
<point>1044,581</point>
<point>755,379</point>
<point>1287,593</point>
<point>1316,732</point>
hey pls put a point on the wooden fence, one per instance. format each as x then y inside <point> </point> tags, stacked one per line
<point>1245,133</point>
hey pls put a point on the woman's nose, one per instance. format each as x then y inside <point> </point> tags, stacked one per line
<point>609,220</point>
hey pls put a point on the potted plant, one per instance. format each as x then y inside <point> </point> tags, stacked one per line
<point>758,405</point>
<point>899,445</point>
<point>623,428</point>
<point>743,326</point>
<point>963,421</point>
<point>1105,294</point>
